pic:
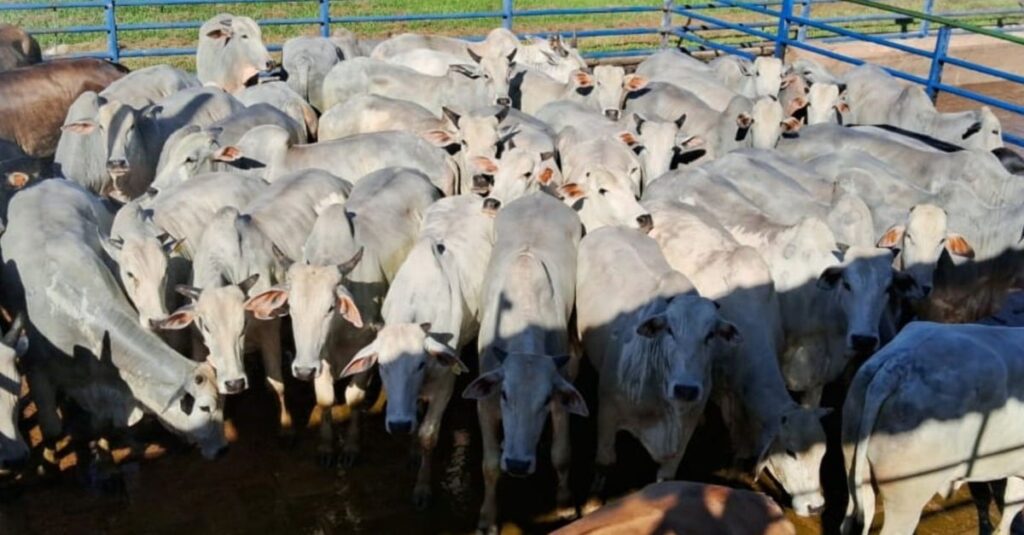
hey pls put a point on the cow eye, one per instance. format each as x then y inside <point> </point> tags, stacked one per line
<point>423,364</point>
<point>200,379</point>
<point>908,237</point>
<point>129,274</point>
<point>846,286</point>
<point>791,453</point>
<point>602,191</point>
<point>205,408</point>
<point>528,174</point>
<point>245,37</point>
<point>504,396</point>
<point>190,159</point>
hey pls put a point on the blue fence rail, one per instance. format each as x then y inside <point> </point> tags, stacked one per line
<point>780,24</point>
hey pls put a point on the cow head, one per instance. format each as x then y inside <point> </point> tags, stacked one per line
<point>862,286</point>
<point>231,52</point>
<point>198,412</point>
<point>219,315</point>
<point>665,145</point>
<point>823,104</point>
<point>612,86</point>
<point>13,449</point>
<point>794,449</point>
<point>406,354</point>
<point>316,298</point>
<point>142,268</point>
<point>767,123</point>
<point>188,152</point>
<point>496,72</point>
<point>128,158</point>
<point>518,173</point>
<point>768,72</point>
<point>602,199</point>
<point>920,242</point>
<point>529,386</point>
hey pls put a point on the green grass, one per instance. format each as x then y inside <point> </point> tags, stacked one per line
<point>51,18</point>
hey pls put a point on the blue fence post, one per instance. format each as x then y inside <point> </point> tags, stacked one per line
<point>929,6</point>
<point>805,12</point>
<point>938,60</point>
<point>666,21</point>
<point>506,13</point>
<point>782,37</point>
<point>110,19</point>
<point>325,18</point>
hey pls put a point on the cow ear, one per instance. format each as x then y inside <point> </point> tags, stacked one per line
<point>473,55</point>
<point>572,192</point>
<point>485,165</point>
<point>830,277</point>
<point>362,362</point>
<point>680,121</point>
<point>219,33</point>
<point>957,244</point>
<point>177,320</point>
<point>744,120</point>
<point>545,175</point>
<point>906,286</point>
<point>248,283</point>
<point>789,79</point>
<point>971,130</point>
<point>796,105</point>
<point>634,82</point>
<point>439,137</point>
<point>728,332</point>
<point>483,386</point>
<point>451,116</point>
<point>570,398</point>
<point>79,127</point>
<point>790,125</point>
<point>468,71</point>
<point>229,153</point>
<point>269,304</point>
<point>842,106</point>
<point>17,180</point>
<point>582,80</point>
<point>652,326</point>
<point>445,355</point>
<point>346,306</point>
<point>892,237</point>
<point>631,141</point>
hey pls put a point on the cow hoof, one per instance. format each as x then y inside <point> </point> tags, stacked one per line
<point>421,499</point>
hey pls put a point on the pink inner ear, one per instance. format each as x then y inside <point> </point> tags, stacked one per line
<point>229,154</point>
<point>348,310</point>
<point>890,238</point>
<point>439,137</point>
<point>485,164</point>
<point>546,175</point>
<point>17,180</point>
<point>572,190</point>
<point>583,79</point>
<point>267,304</point>
<point>627,138</point>
<point>636,82</point>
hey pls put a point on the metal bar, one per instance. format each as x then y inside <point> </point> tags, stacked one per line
<point>989,71</point>
<point>938,60</point>
<point>940,20</point>
<point>110,18</point>
<point>507,12</point>
<point>1016,140</point>
<point>585,11</point>
<point>151,3</point>
<point>978,97</point>
<point>325,18</point>
<point>862,37</point>
<point>805,12</point>
<point>417,17</point>
<point>51,5</point>
<point>929,5</point>
<point>713,45</point>
<point>666,21</point>
<point>724,24</point>
<point>71,29</point>
<point>856,61</point>
<point>782,33</point>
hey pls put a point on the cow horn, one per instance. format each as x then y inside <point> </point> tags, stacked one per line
<point>18,325</point>
<point>350,264</point>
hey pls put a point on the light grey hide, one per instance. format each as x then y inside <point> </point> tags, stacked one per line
<point>136,137</point>
<point>685,72</point>
<point>366,114</point>
<point>266,151</point>
<point>767,428</point>
<point>307,60</point>
<point>282,97</point>
<point>528,295</point>
<point>76,307</point>
<point>462,88</point>
<point>14,451</point>
<point>937,407</point>
<point>430,313</point>
<point>230,52</point>
<point>535,89</point>
<point>333,296</point>
<point>189,151</point>
<point>652,343</point>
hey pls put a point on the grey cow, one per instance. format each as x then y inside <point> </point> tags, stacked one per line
<point>281,96</point>
<point>86,342</point>
<point>652,342</point>
<point>307,60</point>
<point>527,299</point>
<point>352,254</point>
<point>231,52</point>
<point>431,312</point>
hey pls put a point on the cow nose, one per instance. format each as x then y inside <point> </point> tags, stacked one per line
<point>399,427</point>
<point>686,392</point>
<point>491,205</point>
<point>517,467</point>
<point>926,290</point>
<point>235,386</point>
<point>612,114</point>
<point>646,222</point>
<point>816,509</point>
<point>304,373</point>
<point>481,184</point>
<point>504,101</point>
<point>863,343</point>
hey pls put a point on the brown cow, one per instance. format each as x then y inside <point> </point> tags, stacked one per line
<point>17,48</point>
<point>685,508</point>
<point>35,99</point>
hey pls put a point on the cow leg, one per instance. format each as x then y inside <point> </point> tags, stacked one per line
<point>811,397</point>
<point>561,453</point>
<point>488,413</point>
<point>428,432</point>
<point>981,494</point>
<point>607,419</point>
<point>1013,502</point>
<point>902,504</point>
<point>323,385</point>
<point>45,397</point>
<point>270,350</point>
<point>355,396</point>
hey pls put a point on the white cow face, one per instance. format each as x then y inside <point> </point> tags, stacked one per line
<point>518,173</point>
<point>663,146</point>
<point>142,268</point>
<point>823,104</point>
<point>921,241</point>
<point>189,156</point>
<point>315,297</point>
<point>767,123</point>
<point>794,457</point>
<point>604,199</point>
<point>612,85</point>
<point>863,285</point>
<point>198,414</point>
<point>497,71</point>
<point>407,355</point>
<point>529,386</point>
<point>769,76</point>
<point>219,315</point>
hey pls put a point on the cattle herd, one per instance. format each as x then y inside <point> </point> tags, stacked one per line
<point>736,232</point>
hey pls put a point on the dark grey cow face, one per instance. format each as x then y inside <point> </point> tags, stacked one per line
<point>198,414</point>
<point>794,457</point>
<point>529,385</point>
<point>406,355</point>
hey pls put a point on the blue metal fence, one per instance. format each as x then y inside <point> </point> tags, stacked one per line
<point>705,28</point>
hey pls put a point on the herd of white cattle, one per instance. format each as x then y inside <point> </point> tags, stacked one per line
<point>695,230</point>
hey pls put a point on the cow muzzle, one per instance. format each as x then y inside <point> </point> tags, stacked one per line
<point>684,392</point>
<point>482,184</point>
<point>399,427</point>
<point>863,343</point>
<point>518,467</point>
<point>613,114</point>
<point>503,101</point>
<point>234,386</point>
<point>117,168</point>
<point>645,222</point>
<point>304,373</point>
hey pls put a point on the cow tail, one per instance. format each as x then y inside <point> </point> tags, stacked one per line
<point>878,390</point>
